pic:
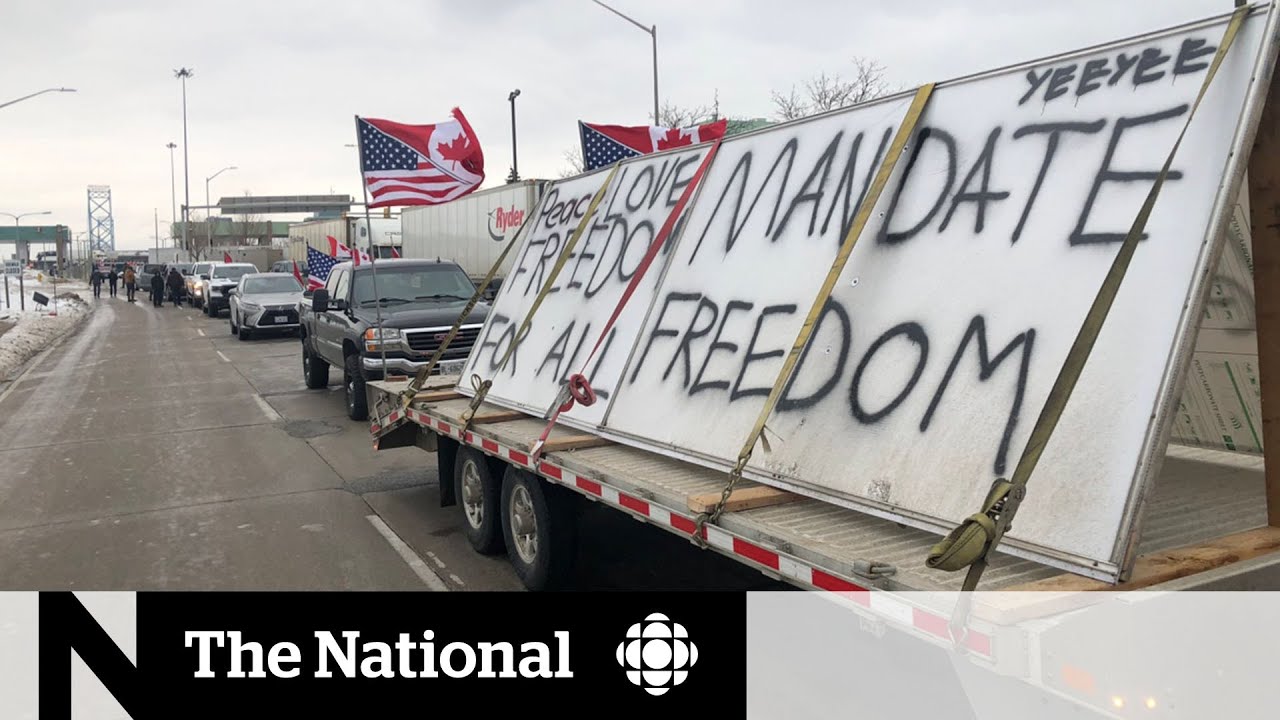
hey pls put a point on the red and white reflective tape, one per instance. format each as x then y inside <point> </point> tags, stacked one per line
<point>883,604</point>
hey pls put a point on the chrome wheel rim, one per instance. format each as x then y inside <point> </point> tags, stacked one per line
<point>472,494</point>
<point>524,526</point>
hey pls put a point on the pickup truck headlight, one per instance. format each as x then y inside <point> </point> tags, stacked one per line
<point>376,338</point>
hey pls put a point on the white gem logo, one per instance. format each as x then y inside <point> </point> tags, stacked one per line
<point>657,654</point>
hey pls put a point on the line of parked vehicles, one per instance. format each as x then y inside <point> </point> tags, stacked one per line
<point>338,324</point>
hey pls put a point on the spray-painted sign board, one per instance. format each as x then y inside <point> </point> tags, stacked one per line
<point>956,309</point>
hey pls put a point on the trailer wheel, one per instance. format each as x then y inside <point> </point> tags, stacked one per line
<point>478,493</point>
<point>540,529</point>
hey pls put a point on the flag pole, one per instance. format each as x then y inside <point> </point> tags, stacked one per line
<point>368,228</point>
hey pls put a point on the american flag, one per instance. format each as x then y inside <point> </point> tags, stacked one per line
<point>318,267</point>
<point>419,164</point>
<point>607,144</point>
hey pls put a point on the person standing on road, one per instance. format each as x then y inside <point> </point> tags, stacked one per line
<point>175,286</point>
<point>112,278</point>
<point>130,282</point>
<point>157,289</point>
<point>95,280</point>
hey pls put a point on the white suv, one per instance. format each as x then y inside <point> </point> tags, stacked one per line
<point>222,278</point>
<point>195,283</point>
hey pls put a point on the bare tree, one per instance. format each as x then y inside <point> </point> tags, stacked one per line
<point>197,235</point>
<point>825,92</point>
<point>573,163</point>
<point>676,116</point>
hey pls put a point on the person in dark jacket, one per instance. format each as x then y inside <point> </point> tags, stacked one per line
<point>96,281</point>
<point>112,278</point>
<point>176,284</point>
<point>157,289</point>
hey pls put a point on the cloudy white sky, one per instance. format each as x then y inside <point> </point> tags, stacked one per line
<point>277,82</point>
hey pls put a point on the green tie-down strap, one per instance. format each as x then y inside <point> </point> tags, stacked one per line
<point>968,542</point>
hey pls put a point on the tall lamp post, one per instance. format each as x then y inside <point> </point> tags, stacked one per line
<point>208,229</point>
<point>653,33</point>
<point>17,246</point>
<point>34,94</point>
<point>173,188</point>
<point>515,172</point>
<point>182,74</point>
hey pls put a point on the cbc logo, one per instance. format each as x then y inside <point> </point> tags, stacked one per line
<point>657,654</point>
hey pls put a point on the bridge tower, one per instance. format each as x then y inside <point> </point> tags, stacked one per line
<point>102,227</point>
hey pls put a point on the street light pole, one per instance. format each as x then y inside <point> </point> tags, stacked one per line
<point>653,33</point>
<point>515,171</point>
<point>182,74</point>
<point>17,246</point>
<point>208,229</point>
<point>34,94</point>
<point>173,189</point>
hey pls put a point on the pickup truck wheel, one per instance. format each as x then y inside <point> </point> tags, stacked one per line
<point>540,529</point>
<point>353,381</point>
<point>478,494</point>
<point>314,370</point>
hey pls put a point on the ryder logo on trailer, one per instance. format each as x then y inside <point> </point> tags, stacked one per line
<point>657,654</point>
<point>501,220</point>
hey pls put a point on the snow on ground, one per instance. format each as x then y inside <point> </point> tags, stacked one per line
<point>23,334</point>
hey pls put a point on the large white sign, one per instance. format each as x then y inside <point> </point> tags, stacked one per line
<point>952,317</point>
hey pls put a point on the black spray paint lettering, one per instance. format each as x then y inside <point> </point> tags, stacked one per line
<point>754,355</point>
<point>909,331</point>
<point>1147,65</point>
<point>1053,131</point>
<point>983,194</point>
<point>1106,174</point>
<point>987,366</point>
<point>923,137</point>
<point>505,338</point>
<point>717,344</point>
<point>786,402</point>
<point>742,173</point>
<point>557,354</point>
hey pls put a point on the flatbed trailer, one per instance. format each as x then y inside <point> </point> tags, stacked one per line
<point>1208,508</point>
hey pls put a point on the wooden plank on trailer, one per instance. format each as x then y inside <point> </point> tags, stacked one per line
<point>437,396</point>
<point>498,417</point>
<point>574,442</point>
<point>747,498</point>
<point>1166,565</point>
<point>1264,211</point>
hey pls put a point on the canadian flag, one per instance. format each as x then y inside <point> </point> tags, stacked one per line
<point>342,252</point>
<point>226,257</point>
<point>395,253</point>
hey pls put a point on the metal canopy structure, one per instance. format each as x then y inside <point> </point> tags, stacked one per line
<point>267,204</point>
<point>102,227</point>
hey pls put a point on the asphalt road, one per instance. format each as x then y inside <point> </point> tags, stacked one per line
<point>153,450</point>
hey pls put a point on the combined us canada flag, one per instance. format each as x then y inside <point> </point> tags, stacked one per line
<point>606,144</point>
<point>419,164</point>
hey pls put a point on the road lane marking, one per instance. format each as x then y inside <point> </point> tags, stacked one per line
<point>201,333</point>
<point>270,412</point>
<point>224,357</point>
<point>415,563</point>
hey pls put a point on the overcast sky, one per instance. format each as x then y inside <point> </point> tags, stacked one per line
<point>277,82</point>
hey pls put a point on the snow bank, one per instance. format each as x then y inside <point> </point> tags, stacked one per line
<point>30,331</point>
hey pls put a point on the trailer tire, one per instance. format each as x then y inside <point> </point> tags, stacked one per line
<point>315,371</point>
<point>540,529</point>
<point>479,494</point>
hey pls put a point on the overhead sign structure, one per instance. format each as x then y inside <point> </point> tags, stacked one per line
<point>953,315</point>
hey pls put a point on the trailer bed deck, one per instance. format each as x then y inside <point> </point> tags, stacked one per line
<point>1200,495</point>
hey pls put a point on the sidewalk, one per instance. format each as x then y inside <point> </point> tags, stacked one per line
<point>24,333</point>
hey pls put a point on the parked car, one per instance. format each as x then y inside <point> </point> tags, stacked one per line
<point>286,266</point>
<point>264,302</point>
<point>145,272</point>
<point>195,292</point>
<point>420,301</point>
<point>215,288</point>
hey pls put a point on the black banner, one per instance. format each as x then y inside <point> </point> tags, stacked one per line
<point>238,654</point>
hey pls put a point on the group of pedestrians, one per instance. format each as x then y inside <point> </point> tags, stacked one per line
<point>171,281</point>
